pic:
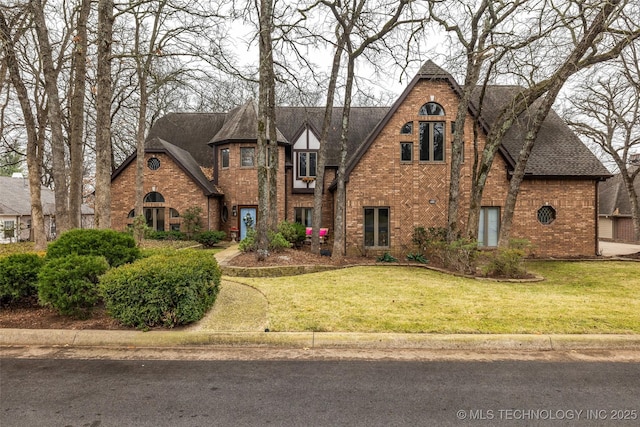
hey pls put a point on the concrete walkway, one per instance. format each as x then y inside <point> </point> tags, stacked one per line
<point>616,249</point>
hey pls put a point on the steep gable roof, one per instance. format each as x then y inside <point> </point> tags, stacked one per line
<point>613,198</point>
<point>183,158</point>
<point>558,152</point>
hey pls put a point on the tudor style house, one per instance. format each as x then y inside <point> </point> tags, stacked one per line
<point>397,176</point>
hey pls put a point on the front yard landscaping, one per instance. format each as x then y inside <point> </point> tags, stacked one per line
<point>576,298</point>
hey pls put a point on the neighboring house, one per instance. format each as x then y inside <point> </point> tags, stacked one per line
<point>15,210</point>
<point>397,176</point>
<point>615,222</point>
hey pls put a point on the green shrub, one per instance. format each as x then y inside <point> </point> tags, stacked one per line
<point>165,235</point>
<point>117,248</point>
<point>191,221</point>
<point>209,239</point>
<point>163,290</point>
<point>508,262</point>
<point>293,232</point>
<point>461,255</point>
<point>387,257</point>
<point>19,276</point>
<point>417,258</point>
<point>277,242</point>
<point>248,244</point>
<point>70,284</point>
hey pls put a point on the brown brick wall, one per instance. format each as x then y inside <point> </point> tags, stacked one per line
<point>177,188</point>
<point>417,192</point>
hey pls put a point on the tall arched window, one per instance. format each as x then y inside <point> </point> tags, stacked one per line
<point>154,197</point>
<point>431,109</point>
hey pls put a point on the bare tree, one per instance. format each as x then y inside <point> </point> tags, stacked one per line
<point>50,74</point>
<point>605,110</point>
<point>34,143</point>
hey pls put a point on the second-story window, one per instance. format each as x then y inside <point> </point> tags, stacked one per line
<point>224,158</point>
<point>307,161</point>
<point>247,156</point>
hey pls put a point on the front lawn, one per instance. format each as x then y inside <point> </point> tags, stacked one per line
<point>575,298</point>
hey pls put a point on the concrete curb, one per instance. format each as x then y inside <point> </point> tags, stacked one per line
<point>316,340</point>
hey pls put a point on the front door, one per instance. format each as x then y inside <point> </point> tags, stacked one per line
<point>247,220</point>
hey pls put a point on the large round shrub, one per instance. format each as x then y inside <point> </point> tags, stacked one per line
<point>168,289</point>
<point>70,284</point>
<point>19,276</point>
<point>118,248</point>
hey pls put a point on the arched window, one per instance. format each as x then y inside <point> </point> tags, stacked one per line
<point>431,109</point>
<point>154,197</point>
<point>407,129</point>
<point>132,213</point>
<point>174,213</point>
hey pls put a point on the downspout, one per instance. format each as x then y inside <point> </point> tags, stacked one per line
<point>597,241</point>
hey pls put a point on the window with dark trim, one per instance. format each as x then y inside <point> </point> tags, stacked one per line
<point>307,162</point>
<point>431,109</point>
<point>546,215</point>
<point>376,227</point>
<point>407,129</point>
<point>247,156</point>
<point>224,158</point>
<point>406,151</point>
<point>489,227</point>
<point>431,141</point>
<point>304,216</point>
<point>153,163</point>
<point>154,197</point>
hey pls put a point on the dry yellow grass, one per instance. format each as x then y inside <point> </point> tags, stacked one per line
<point>576,297</point>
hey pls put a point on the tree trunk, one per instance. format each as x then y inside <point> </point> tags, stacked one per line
<point>59,172</point>
<point>322,152</point>
<point>265,93</point>
<point>76,112</point>
<point>103,115</point>
<point>339,242</point>
<point>526,98</point>
<point>34,147</point>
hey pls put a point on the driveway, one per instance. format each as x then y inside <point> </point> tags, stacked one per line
<point>613,248</point>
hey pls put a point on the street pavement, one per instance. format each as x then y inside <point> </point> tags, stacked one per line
<point>350,344</point>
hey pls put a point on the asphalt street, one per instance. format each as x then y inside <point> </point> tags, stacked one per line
<point>54,392</point>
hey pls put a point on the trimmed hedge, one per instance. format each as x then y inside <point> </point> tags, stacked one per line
<point>209,239</point>
<point>70,284</point>
<point>118,248</point>
<point>19,276</point>
<point>167,290</point>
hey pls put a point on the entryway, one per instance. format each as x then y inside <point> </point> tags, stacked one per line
<point>248,215</point>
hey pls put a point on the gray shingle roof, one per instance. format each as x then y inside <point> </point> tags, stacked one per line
<point>613,198</point>
<point>557,153</point>
<point>15,198</point>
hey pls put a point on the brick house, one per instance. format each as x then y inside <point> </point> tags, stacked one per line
<point>616,222</point>
<point>397,177</point>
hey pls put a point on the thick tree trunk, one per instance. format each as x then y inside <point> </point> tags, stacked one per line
<point>76,112</point>
<point>34,146</point>
<point>339,241</point>
<point>59,171</point>
<point>322,152</point>
<point>103,115</point>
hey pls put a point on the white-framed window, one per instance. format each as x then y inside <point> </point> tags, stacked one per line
<point>376,227</point>
<point>307,163</point>
<point>489,226</point>
<point>304,216</point>
<point>9,229</point>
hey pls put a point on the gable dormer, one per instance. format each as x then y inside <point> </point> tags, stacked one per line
<point>305,158</point>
